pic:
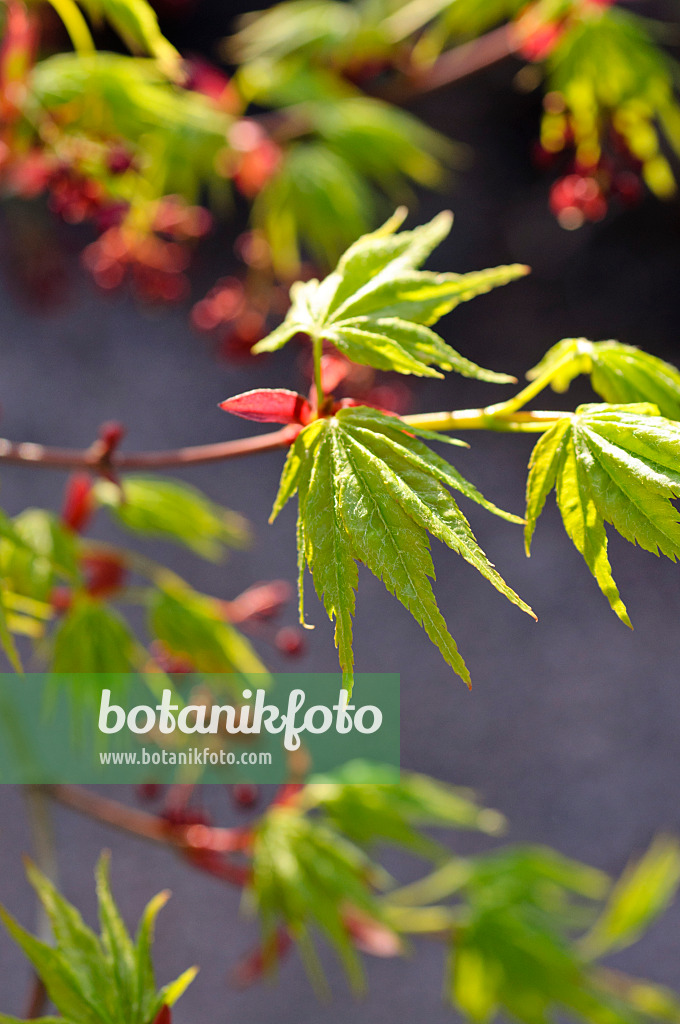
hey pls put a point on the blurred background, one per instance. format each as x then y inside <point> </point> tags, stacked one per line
<point>572,728</point>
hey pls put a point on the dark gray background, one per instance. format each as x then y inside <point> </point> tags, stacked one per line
<point>573,725</point>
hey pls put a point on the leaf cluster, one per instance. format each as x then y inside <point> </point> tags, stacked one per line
<point>96,979</point>
<point>612,75</point>
<point>524,926</point>
<point>42,561</point>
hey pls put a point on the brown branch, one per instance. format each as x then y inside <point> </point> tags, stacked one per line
<point>455,64</point>
<point>195,840</point>
<point>461,61</point>
<point>37,999</point>
<point>28,454</point>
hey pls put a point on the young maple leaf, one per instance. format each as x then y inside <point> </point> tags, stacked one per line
<point>617,464</point>
<point>377,307</point>
<point>369,490</point>
<point>620,374</point>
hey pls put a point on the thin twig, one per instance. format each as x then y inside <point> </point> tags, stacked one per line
<point>205,847</point>
<point>44,844</point>
<point>143,824</point>
<point>37,999</point>
<point>29,454</point>
<point>455,64</point>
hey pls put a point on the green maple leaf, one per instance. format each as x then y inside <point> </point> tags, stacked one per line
<point>371,491</point>
<point>621,374</point>
<point>377,307</point>
<point>617,464</point>
<point>90,978</point>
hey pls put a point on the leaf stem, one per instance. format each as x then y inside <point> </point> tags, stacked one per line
<point>75,25</point>
<point>317,349</point>
<point>532,389</point>
<point>489,418</point>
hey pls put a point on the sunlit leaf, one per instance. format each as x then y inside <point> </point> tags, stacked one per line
<point>38,554</point>
<point>137,24</point>
<point>621,374</point>
<point>370,491</point>
<point>610,71</point>
<point>93,638</point>
<point>93,979</point>
<point>386,812</point>
<point>377,307</point>
<point>176,511</point>
<point>642,893</point>
<point>192,625</point>
<point>613,464</point>
<point>304,874</point>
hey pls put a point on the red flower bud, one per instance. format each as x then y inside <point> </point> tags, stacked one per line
<point>104,574</point>
<point>61,600</point>
<point>244,795</point>
<point>290,641</point>
<point>371,936</point>
<point>261,601</point>
<point>79,502</point>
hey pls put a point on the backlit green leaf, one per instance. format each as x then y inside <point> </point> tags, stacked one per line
<point>92,637</point>
<point>92,979</point>
<point>174,510</point>
<point>39,552</point>
<point>61,981</point>
<point>116,941</point>
<point>377,307</point>
<point>371,491</point>
<point>6,638</point>
<point>610,464</point>
<point>194,626</point>
<point>76,941</point>
<point>396,813</point>
<point>644,890</point>
<point>305,873</point>
<point>621,374</point>
<point>137,24</point>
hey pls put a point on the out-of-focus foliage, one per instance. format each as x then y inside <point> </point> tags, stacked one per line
<point>330,31</point>
<point>90,978</point>
<point>612,97</point>
<point>327,190</point>
<point>71,595</point>
<point>157,507</point>
<point>525,926</point>
<point>611,105</point>
<point>520,952</point>
<point>133,143</point>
